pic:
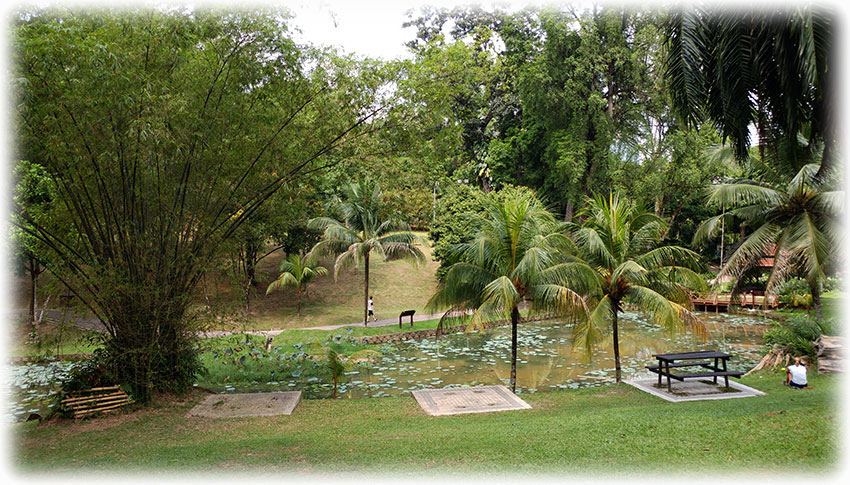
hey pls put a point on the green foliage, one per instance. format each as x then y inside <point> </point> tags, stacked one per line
<point>362,228</point>
<point>516,255</point>
<point>797,332</point>
<point>619,259</point>
<point>297,270</point>
<point>164,131</point>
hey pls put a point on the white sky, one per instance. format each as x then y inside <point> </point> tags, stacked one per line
<point>371,28</point>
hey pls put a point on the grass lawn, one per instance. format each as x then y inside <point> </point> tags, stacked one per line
<point>606,432</point>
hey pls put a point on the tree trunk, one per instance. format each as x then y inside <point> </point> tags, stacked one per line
<point>366,291</point>
<point>33,271</point>
<point>514,325</point>
<point>568,212</point>
<point>614,311</point>
<point>816,288</point>
<point>298,303</point>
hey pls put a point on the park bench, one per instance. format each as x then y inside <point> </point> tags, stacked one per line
<point>406,313</point>
<point>96,400</point>
<point>710,363</point>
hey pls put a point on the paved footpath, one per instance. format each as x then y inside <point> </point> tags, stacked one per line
<point>91,323</point>
<point>385,322</point>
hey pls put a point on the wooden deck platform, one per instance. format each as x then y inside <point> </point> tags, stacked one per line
<point>719,302</point>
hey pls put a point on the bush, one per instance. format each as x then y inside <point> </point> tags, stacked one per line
<point>794,293</point>
<point>797,332</point>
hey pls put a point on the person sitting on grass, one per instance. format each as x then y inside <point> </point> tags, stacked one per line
<point>795,375</point>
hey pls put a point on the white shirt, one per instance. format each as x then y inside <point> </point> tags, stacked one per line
<point>370,304</point>
<point>798,374</point>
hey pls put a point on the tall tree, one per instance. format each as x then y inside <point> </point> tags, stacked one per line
<point>157,128</point>
<point>618,251</point>
<point>516,256</point>
<point>771,68</point>
<point>360,230</point>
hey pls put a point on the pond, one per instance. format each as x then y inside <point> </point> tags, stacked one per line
<point>545,359</point>
<point>545,362</point>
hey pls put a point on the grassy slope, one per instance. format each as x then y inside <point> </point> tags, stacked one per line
<point>607,431</point>
<point>395,285</point>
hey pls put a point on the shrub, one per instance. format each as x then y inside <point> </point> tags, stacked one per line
<point>797,332</point>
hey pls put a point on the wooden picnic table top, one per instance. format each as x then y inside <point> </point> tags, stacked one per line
<point>701,354</point>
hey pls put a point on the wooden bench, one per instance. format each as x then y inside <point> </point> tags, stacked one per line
<point>693,359</point>
<point>406,313</point>
<point>96,400</point>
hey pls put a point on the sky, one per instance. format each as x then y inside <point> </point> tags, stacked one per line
<point>371,28</point>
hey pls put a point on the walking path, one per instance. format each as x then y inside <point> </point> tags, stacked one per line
<point>384,322</point>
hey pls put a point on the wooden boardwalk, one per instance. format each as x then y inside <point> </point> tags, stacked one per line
<point>719,302</point>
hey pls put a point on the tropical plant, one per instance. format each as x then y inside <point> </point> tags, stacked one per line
<point>797,332</point>
<point>516,256</point>
<point>617,249</point>
<point>297,270</point>
<point>796,224</point>
<point>769,68</point>
<point>336,367</point>
<point>360,229</point>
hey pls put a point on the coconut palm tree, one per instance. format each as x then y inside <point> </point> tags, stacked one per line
<point>517,256</point>
<point>796,223</point>
<point>362,227</point>
<point>298,271</point>
<point>617,244</point>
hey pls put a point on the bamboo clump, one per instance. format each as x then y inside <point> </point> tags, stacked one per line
<point>96,400</point>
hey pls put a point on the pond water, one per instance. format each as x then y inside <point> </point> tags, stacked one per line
<point>33,388</point>
<point>545,359</point>
<point>545,362</point>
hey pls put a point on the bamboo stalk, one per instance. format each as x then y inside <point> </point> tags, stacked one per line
<point>99,403</point>
<point>97,410</point>
<point>82,399</point>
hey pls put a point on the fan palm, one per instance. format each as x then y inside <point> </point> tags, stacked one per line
<point>516,256</point>
<point>618,245</point>
<point>796,223</point>
<point>362,228</point>
<point>769,68</point>
<point>298,271</point>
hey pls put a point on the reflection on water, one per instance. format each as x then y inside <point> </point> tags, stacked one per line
<point>545,361</point>
<point>545,358</point>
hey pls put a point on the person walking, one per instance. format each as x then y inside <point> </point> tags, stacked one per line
<point>371,308</point>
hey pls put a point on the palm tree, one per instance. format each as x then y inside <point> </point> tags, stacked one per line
<point>516,256</point>
<point>796,223</point>
<point>618,245</point>
<point>361,228</point>
<point>298,271</point>
<point>771,68</point>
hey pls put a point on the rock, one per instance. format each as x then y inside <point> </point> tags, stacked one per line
<point>830,355</point>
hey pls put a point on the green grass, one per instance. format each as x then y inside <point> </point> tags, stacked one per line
<point>608,431</point>
<point>832,302</point>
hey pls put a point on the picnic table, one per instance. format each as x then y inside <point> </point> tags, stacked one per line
<point>710,363</point>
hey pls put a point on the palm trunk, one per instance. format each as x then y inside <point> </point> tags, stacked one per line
<point>366,292</point>
<point>298,302</point>
<point>615,308</point>
<point>514,325</point>
<point>816,289</point>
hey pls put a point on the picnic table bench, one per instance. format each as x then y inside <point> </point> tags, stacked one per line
<point>711,362</point>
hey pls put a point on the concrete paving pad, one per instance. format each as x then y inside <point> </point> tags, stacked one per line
<point>243,405</point>
<point>694,389</point>
<point>463,400</point>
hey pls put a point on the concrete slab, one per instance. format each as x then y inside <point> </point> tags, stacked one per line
<point>694,389</point>
<point>244,405</point>
<point>464,400</point>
